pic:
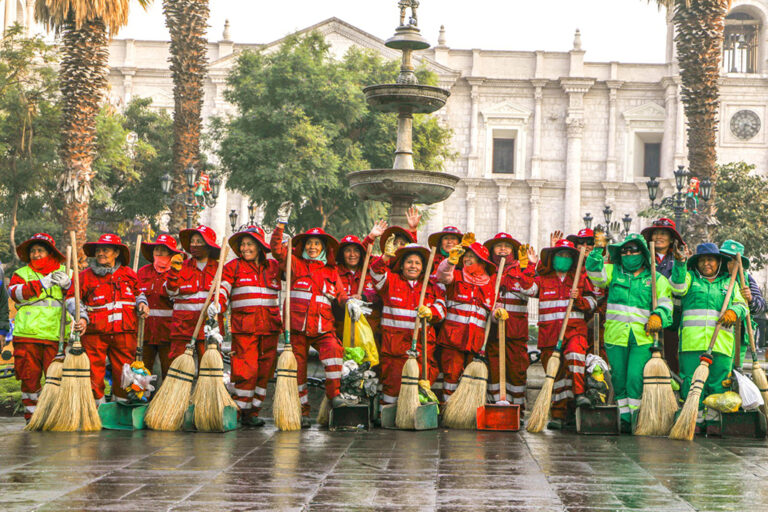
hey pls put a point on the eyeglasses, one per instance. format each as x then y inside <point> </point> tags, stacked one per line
<point>630,250</point>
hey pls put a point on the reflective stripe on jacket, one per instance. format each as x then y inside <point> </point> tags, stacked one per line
<point>38,313</point>
<point>251,291</point>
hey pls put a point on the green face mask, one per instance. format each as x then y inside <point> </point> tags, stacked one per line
<point>562,263</point>
<point>632,262</point>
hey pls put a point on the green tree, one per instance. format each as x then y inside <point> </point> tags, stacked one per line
<point>302,125</point>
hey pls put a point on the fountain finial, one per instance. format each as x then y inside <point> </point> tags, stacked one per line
<point>404,5</point>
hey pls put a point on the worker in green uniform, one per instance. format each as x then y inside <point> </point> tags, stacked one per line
<point>630,317</point>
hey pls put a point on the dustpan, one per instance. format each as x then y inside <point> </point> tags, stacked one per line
<point>500,416</point>
<point>601,419</point>
<point>229,421</point>
<point>123,415</point>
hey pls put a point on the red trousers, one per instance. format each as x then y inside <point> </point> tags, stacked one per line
<point>452,363</point>
<point>332,357</point>
<point>392,372</point>
<point>30,360</point>
<point>150,352</point>
<point>253,363</point>
<point>516,364</point>
<point>120,348</point>
<point>570,379</point>
<point>178,347</point>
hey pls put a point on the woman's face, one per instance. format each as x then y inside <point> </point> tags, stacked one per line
<point>448,242</point>
<point>352,256</point>
<point>197,246</point>
<point>106,255</point>
<point>37,251</point>
<point>400,241</point>
<point>249,249</point>
<point>470,259</point>
<point>661,239</point>
<point>412,266</point>
<point>160,251</point>
<point>313,246</point>
<point>707,265</point>
<point>502,249</point>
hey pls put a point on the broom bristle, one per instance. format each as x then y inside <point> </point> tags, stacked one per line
<point>761,381</point>
<point>48,397</point>
<point>286,408</point>
<point>167,408</point>
<point>323,415</point>
<point>211,395</point>
<point>540,412</point>
<point>75,409</point>
<point>685,426</point>
<point>659,404</point>
<point>408,398</point>
<point>461,410</point>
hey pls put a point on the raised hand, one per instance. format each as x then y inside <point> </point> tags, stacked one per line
<point>284,212</point>
<point>414,217</point>
<point>554,237</point>
<point>378,229</point>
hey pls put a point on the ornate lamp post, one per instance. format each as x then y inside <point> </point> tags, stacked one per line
<point>587,220</point>
<point>188,198</point>
<point>678,199</point>
<point>233,215</point>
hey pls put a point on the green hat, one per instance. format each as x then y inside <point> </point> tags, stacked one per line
<point>614,250</point>
<point>732,248</point>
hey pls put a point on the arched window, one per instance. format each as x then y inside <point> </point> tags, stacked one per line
<point>741,43</point>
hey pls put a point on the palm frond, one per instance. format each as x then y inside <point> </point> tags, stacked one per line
<point>54,14</point>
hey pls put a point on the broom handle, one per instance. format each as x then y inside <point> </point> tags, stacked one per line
<point>654,300</point>
<point>287,319</point>
<point>750,332</point>
<point>497,287</point>
<point>723,309</point>
<point>424,363</point>
<point>140,330</point>
<point>596,333</point>
<point>364,273</point>
<point>75,276</point>
<point>137,253</point>
<point>423,293</point>
<point>214,286</point>
<point>502,361</point>
<point>63,326</point>
<point>574,287</point>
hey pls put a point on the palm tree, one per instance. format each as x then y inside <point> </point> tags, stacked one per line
<point>699,27</point>
<point>84,26</point>
<point>187,21</point>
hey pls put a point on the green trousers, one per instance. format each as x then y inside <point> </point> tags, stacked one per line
<point>627,365</point>
<point>719,371</point>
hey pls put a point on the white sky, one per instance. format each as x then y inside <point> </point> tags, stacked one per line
<point>621,30</point>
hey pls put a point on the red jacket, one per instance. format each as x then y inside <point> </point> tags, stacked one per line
<point>512,298</point>
<point>469,306</point>
<point>110,300</point>
<point>251,291</point>
<point>401,300</point>
<point>188,289</point>
<point>314,285</point>
<point>553,297</point>
<point>350,281</point>
<point>157,326</point>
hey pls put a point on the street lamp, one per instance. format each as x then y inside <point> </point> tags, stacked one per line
<point>706,189</point>
<point>627,221</point>
<point>587,220</point>
<point>233,219</point>
<point>251,210</point>
<point>653,189</point>
<point>188,198</point>
<point>677,200</point>
<point>607,213</point>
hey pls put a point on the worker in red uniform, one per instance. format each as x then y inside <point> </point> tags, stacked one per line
<point>398,278</point>
<point>444,240</point>
<point>587,238</point>
<point>38,291</point>
<point>188,283</point>
<point>403,236</point>
<point>157,328</point>
<point>110,293</point>
<point>553,288</point>
<point>519,267</point>
<point>250,285</point>
<point>466,275</point>
<point>315,284</point>
<point>349,265</point>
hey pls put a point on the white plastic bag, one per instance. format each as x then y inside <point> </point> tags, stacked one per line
<point>751,398</point>
<point>593,360</point>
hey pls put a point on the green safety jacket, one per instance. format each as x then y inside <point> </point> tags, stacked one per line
<point>39,318</point>
<point>629,299</point>
<point>702,301</point>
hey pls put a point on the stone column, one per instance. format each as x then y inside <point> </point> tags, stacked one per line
<point>610,158</point>
<point>128,75</point>
<point>670,125</point>
<point>474,127</point>
<point>576,88</point>
<point>10,14</point>
<point>471,197</point>
<point>680,156</point>
<point>502,200</point>
<point>537,122</point>
<point>30,17</point>
<point>533,220</point>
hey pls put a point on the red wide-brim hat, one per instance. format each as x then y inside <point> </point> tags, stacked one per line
<point>209,237</point>
<point>254,232</point>
<point>166,241</point>
<point>109,239</point>
<point>44,239</point>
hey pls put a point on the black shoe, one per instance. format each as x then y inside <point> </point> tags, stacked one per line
<point>253,421</point>
<point>305,422</point>
<point>555,424</point>
<point>582,401</point>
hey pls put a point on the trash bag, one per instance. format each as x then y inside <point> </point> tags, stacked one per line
<point>356,354</point>
<point>750,395</point>
<point>363,338</point>
<point>724,402</point>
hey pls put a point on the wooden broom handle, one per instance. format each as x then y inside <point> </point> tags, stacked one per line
<point>424,285</point>
<point>137,253</point>
<point>364,273</point>
<point>749,316</point>
<point>575,286</point>
<point>214,286</point>
<point>222,262</point>
<point>75,275</point>
<point>425,362</point>
<point>723,309</point>
<point>502,361</point>
<point>63,325</point>
<point>288,269</point>
<point>654,300</point>
<point>497,287</point>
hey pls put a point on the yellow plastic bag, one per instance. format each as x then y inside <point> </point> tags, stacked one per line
<point>363,338</point>
<point>724,402</point>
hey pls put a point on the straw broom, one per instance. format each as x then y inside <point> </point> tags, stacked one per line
<point>286,408</point>
<point>659,404</point>
<point>461,410</point>
<point>685,426</point>
<point>167,408</point>
<point>75,409</point>
<point>50,393</point>
<point>408,398</point>
<point>758,374</point>
<point>540,412</point>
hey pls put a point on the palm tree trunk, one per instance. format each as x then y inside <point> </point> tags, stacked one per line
<point>83,76</point>
<point>187,21</point>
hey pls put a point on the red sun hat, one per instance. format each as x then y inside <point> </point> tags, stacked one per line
<point>404,251</point>
<point>503,237</point>
<point>662,223</point>
<point>434,238</point>
<point>347,241</point>
<point>209,237</point>
<point>397,231</point>
<point>583,233</point>
<point>484,255</point>
<point>22,250</point>
<point>89,248</point>
<point>331,244</point>
<point>164,240</point>
<point>549,252</point>
<point>254,232</point>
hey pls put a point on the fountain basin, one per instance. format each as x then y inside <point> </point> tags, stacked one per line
<point>413,98</point>
<point>403,185</point>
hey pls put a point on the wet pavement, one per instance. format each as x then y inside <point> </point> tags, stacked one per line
<point>263,469</point>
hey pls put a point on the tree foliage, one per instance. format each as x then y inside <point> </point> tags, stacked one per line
<point>302,125</point>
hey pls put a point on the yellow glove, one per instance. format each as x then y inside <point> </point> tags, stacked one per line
<point>500,314</point>
<point>468,239</point>
<point>654,324</point>
<point>176,262</point>
<point>600,239</point>
<point>522,256</point>
<point>389,247</point>
<point>729,318</point>
<point>455,255</point>
<point>425,312</point>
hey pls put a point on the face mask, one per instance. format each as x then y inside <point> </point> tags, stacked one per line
<point>632,262</point>
<point>562,263</point>
<point>199,251</point>
<point>44,265</point>
<point>162,263</point>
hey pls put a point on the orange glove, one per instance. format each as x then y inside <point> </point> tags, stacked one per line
<point>654,324</point>
<point>729,318</point>
<point>177,261</point>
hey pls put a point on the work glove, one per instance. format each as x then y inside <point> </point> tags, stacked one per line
<point>284,211</point>
<point>177,261</point>
<point>500,314</point>
<point>729,318</point>
<point>522,256</point>
<point>600,239</point>
<point>60,279</point>
<point>389,247</point>
<point>468,239</point>
<point>47,281</point>
<point>213,310</point>
<point>425,312</point>
<point>455,255</point>
<point>357,308</point>
<point>212,335</point>
<point>654,324</point>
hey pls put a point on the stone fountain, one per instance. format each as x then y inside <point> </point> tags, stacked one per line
<point>403,185</point>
